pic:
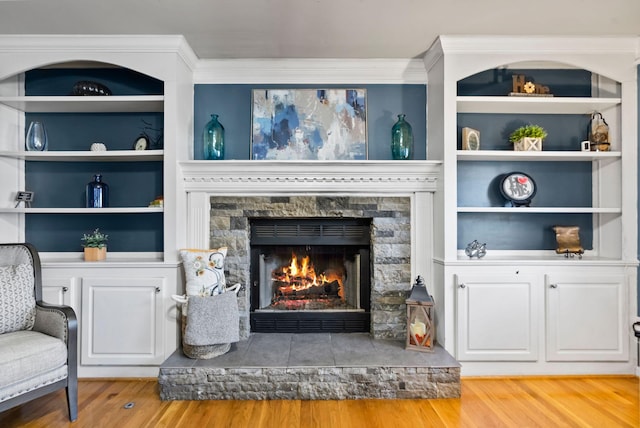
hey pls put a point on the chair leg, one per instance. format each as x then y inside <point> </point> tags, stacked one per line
<point>72,400</point>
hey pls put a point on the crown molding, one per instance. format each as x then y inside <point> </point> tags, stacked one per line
<point>311,71</point>
<point>92,44</point>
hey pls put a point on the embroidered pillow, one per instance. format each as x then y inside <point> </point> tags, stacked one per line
<point>204,271</point>
<point>17,301</point>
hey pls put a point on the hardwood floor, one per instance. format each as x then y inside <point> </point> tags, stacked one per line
<point>602,401</point>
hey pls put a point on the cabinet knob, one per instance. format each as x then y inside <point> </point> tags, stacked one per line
<point>463,285</point>
<point>158,290</point>
<point>65,289</point>
<point>553,285</point>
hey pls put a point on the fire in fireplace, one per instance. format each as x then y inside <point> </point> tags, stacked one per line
<point>310,275</point>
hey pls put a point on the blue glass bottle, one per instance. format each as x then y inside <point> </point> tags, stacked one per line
<point>97,193</point>
<point>213,139</point>
<point>401,139</point>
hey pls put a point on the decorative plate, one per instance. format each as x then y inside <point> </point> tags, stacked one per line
<point>518,188</point>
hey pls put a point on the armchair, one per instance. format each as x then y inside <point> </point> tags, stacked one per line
<point>38,341</point>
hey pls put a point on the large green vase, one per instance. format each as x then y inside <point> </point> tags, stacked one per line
<point>213,139</point>
<point>401,139</point>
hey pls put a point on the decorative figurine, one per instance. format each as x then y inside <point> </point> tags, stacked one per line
<point>475,249</point>
<point>568,238</point>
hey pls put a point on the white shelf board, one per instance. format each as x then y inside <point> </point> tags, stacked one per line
<point>120,210</point>
<point>512,155</point>
<point>88,156</point>
<point>534,105</point>
<point>540,210</point>
<point>90,104</point>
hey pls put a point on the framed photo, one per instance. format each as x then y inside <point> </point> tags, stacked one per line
<point>309,124</point>
<point>470,139</point>
<point>585,146</point>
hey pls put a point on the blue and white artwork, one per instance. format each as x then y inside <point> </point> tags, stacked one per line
<point>309,124</point>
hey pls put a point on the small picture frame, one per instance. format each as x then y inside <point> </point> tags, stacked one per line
<point>470,139</point>
<point>24,196</point>
<point>585,146</point>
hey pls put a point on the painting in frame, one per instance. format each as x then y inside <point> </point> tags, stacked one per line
<point>309,124</point>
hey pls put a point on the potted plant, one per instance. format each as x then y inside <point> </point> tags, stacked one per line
<point>528,137</point>
<point>95,246</point>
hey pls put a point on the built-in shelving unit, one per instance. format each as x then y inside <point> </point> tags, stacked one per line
<point>524,308</point>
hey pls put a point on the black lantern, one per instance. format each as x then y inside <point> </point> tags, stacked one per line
<point>420,328</point>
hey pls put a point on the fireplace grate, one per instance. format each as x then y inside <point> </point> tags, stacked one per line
<point>314,231</point>
<point>307,322</point>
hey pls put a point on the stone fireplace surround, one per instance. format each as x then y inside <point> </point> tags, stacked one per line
<point>397,195</point>
<point>318,366</point>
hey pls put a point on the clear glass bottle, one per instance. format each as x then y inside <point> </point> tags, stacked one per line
<point>37,139</point>
<point>97,193</point>
<point>213,139</point>
<point>401,139</point>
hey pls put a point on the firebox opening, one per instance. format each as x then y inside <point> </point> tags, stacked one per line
<point>310,275</point>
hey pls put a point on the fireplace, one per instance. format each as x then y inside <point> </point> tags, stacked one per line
<point>310,275</point>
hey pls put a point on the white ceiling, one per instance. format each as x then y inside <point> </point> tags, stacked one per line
<point>318,28</point>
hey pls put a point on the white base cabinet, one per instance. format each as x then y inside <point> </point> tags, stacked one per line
<point>586,318</point>
<point>497,317</point>
<point>127,321</point>
<point>542,319</point>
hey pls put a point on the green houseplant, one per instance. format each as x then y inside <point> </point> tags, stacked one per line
<point>95,246</point>
<point>528,137</point>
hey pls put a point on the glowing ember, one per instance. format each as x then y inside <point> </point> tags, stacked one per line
<point>299,278</point>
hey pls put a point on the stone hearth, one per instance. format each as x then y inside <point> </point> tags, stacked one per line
<point>315,366</point>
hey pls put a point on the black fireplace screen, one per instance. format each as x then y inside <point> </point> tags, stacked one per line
<point>310,274</point>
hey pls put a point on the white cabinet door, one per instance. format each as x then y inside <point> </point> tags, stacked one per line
<point>58,290</point>
<point>497,317</point>
<point>122,321</point>
<point>586,318</point>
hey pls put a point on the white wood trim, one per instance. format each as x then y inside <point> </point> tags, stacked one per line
<point>311,71</point>
<point>513,155</point>
<point>84,156</point>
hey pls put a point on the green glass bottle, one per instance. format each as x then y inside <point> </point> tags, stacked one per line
<point>401,139</point>
<point>213,139</point>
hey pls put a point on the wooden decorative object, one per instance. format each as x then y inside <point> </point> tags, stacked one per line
<point>528,144</point>
<point>470,139</point>
<point>524,87</point>
<point>94,254</point>
<point>568,239</point>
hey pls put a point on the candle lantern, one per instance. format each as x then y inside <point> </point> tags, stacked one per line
<point>420,328</point>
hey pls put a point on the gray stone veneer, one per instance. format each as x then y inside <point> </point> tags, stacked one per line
<point>390,246</point>
<point>308,383</point>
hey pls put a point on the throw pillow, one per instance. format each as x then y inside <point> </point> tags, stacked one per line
<point>204,271</point>
<point>17,301</point>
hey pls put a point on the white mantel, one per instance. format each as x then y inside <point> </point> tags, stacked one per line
<point>201,180</point>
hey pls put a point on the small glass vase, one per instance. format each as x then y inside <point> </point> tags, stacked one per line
<point>97,193</point>
<point>401,139</point>
<point>213,139</point>
<point>37,139</point>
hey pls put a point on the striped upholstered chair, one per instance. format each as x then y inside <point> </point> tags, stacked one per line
<point>38,341</point>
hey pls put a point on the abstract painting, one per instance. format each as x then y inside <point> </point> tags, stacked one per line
<point>309,124</point>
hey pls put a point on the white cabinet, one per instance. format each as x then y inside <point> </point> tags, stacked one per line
<point>586,318</point>
<point>497,317</point>
<point>122,321</point>
<point>59,290</point>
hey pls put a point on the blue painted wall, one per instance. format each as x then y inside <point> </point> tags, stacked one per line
<point>62,184</point>
<point>384,102</point>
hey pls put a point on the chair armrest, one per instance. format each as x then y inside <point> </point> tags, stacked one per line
<point>56,321</point>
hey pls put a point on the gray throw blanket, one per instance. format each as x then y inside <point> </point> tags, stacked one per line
<point>212,320</point>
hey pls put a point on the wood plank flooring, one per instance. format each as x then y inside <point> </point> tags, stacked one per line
<point>600,401</point>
